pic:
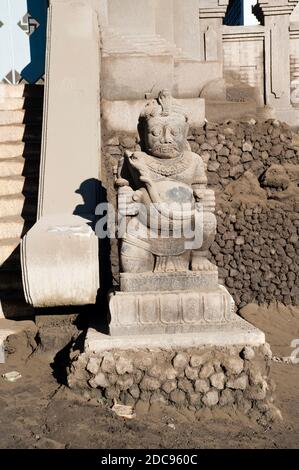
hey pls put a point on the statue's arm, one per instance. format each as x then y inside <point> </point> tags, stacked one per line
<point>126,196</point>
<point>199,183</point>
<point>201,193</point>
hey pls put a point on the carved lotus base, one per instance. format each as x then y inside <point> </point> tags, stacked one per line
<point>142,313</point>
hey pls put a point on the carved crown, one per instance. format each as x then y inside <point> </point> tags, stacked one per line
<point>164,105</point>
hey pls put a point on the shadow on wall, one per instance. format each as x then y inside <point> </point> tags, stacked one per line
<point>91,190</point>
<point>37,30</point>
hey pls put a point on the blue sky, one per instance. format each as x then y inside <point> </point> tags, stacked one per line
<point>249,18</point>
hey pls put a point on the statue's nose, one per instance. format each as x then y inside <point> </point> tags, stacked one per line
<point>167,136</point>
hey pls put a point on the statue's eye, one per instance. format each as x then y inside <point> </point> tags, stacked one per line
<point>175,131</point>
<point>156,131</point>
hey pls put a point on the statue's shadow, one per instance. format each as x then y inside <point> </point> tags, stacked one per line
<point>93,193</point>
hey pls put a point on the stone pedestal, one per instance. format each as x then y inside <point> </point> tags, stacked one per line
<point>225,368</point>
<point>153,303</point>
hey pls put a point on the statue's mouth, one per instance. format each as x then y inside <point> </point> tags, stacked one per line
<point>165,149</point>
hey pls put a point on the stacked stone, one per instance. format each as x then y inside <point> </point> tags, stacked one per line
<point>195,378</point>
<point>257,252</point>
<point>228,149</point>
<point>231,148</point>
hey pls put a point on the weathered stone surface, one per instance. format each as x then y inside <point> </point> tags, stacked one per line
<point>206,371</point>
<point>185,385</point>
<point>194,399</point>
<point>157,397</point>
<point>143,361</point>
<point>234,365</point>
<point>112,392</point>
<point>112,378</point>
<point>202,386</point>
<point>247,147</point>
<point>198,360</point>
<point>99,381</point>
<point>178,397</point>
<point>257,392</point>
<point>169,386</point>
<point>123,365</point>
<point>218,380</point>
<point>227,398</point>
<point>267,350</point>
<point>93,365</point>
<point>255,375</point>
<point>134,391</point>
<point>156,371</point>
<point>239,383</point>
<point>180,361</point>
<point>108,364</point>
<point>247,391</point>
<point>125,381</point>
<point>149,383</point>
<point>170,373</point>
<point>211,398</point>
<point>191,373</point>
<point>248,353</point>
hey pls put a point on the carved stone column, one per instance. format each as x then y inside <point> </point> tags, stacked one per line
<point>211,14</point>
<point>275,15</point>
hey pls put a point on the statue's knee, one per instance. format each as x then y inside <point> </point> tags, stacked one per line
<point>209,224</point>
<point>209,231</point>
<point>135,259</point>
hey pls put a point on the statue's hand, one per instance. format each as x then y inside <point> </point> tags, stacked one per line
<point>145,178</point>
<point>127,205</point>
<point>206,197</point>
<point>199,194</point>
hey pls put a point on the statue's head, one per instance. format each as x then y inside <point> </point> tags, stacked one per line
<point>163,127</point>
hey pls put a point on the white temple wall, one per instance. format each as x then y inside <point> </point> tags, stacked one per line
<point>243,54</point>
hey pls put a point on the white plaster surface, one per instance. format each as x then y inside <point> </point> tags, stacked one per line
<point>123,115</point>
<point>237,332</point>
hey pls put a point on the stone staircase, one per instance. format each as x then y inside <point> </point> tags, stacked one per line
<point>126,43</point>
<point>294,67</point>
<point>21,109</point>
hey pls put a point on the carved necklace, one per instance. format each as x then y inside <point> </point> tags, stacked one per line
<point>174,165</point>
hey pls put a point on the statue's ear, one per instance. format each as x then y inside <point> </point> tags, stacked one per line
<point>142,131</point>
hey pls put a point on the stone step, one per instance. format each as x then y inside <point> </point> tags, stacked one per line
<point>9,252</point>
<point>20,132</point>
<point>20,334</point>
<point>14,226</point>
<point>140,41</point>
<point>19,166</point>
<point>19,91</point>
<point>17,204</point>
<point>18,184</point>
<point>21,116</point>
<point>14,104</point>
<point>18,149</point>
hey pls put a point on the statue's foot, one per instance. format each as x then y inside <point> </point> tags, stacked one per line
<point>171,264</point>
<point>202,264</point>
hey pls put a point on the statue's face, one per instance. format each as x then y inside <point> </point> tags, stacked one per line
<point>166,136</point>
